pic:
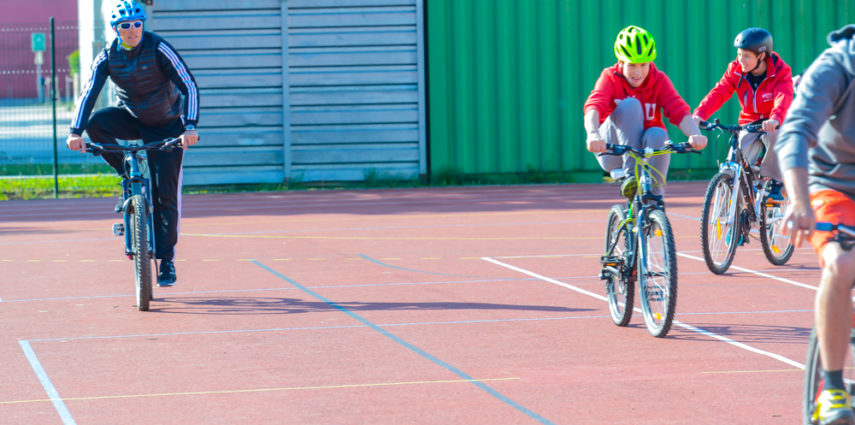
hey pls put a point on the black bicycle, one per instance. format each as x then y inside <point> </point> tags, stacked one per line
<point>137,210</point>
<point>845,235</point>
<point>735,201</point>
<point>640,247</point>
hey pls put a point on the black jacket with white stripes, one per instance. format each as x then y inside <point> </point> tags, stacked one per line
<point>148,79</point>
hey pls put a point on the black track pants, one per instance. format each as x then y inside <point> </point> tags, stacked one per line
<point>109,124</point>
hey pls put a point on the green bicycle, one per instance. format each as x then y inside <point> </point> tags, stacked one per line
<point>640,247</point>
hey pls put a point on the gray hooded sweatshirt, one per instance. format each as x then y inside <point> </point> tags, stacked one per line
<point>820,123</point>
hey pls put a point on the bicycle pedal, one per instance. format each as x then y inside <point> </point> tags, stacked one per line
<point>119,229</point>
<point>610,261</point>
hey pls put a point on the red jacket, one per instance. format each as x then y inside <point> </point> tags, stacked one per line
<point>771,100</point>
<point>655,94</point>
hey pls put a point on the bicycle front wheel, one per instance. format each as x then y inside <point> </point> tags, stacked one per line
<point>719,223</point>
<point>777,247</point>
<point>657,273</point>
<point>142,256</point>
<point>620,290</point>
<point>813,376</point>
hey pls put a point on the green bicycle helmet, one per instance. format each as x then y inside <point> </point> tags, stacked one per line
<point>635,45</point>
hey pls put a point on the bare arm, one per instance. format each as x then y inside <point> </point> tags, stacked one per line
<point>689,127</point>
<point>594,140</point>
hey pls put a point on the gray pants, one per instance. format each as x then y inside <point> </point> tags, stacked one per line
<point>625,126</point>
<point>752,148</point>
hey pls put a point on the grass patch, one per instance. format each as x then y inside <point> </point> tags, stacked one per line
<point>47,169</point>
<point>107,184</point>
<point>91,186</point>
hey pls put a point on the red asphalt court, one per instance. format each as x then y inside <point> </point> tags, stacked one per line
<point>472,305</point>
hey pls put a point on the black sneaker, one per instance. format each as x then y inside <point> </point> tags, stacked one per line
<point>166,277</point>
<point>775,192</point>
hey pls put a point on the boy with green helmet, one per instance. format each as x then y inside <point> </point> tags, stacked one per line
<point>625,107</point>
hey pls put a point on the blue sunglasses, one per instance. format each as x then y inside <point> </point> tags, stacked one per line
<point>127,25</point>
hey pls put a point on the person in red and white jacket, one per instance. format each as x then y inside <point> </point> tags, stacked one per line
<point>625,107</point>
<point>763,82</point>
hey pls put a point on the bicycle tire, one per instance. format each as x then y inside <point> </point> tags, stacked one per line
<point>142,256</point>
<point>620,291</point>
<point>813,376</point>
<point>770,234</point>
<point>718,197</point>
<point>657,273</point>
<point>813,379</point>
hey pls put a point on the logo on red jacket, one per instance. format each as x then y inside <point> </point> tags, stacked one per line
<point>765,97</point>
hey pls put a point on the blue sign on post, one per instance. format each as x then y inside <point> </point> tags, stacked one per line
<point>38,41</point>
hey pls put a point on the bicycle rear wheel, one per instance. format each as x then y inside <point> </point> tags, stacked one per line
<point>142,256</point>
<point>620,289</point>
<point>777,247</point>
<point>813,376</point>
<point>657,273</point>
<point>719,227</point>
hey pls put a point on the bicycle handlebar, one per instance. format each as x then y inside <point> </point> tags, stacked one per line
<point>756,127</point>
<point>166,145</point>
<point>848,231</point>
<point>616,150</point>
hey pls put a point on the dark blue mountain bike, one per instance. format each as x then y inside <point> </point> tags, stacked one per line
<point>845,235</point>
<point>137,210</point>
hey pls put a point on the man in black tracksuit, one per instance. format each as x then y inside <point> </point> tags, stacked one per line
<point>158,99</point>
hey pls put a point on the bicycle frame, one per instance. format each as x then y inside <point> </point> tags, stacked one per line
<point>636,204</point>
<point>645,181</point>
<point>740,170</point>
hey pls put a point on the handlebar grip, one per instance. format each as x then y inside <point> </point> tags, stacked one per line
<point>824,227</point>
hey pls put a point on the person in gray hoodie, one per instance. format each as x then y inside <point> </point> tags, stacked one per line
<point>816,151</point>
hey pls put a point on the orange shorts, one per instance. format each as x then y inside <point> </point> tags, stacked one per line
<point>831,206</point>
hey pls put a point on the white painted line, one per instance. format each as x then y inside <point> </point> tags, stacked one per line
<point>676,322</point>
<point>546,279</point>
<point>51,391</point>
<point>761,274</point>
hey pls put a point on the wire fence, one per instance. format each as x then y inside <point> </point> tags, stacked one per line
<point>28,138</point>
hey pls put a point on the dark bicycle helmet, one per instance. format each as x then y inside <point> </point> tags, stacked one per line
<point>756,40</point>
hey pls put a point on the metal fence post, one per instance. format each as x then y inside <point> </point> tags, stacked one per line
<point>53,107</point>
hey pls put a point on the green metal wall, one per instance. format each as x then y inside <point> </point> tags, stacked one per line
<point>507,79</point>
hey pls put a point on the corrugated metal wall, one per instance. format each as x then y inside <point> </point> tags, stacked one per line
<point>356,89</point>
<point>507,79</point>
<point>235,53</point>
<point>345,103</point>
